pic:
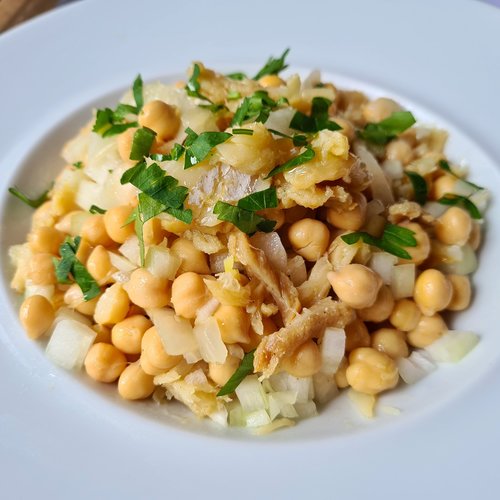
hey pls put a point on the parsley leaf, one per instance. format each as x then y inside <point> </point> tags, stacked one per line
<point>78,165</point>
<point>214,108</point>
<point>193,85</point>
<point>260,200</point>
<point>463,201</point>
<point>69,264</point>
<point>237,76</point>
<point>138,93</point>
<point>388,129</point>
<point>273,66</point>
<point>94,209</point>
<point>419,187</point>
<point>198,147</point>
<point>318,119</point>
<point>304,157</point>
<point>255,108</point>
<point>245,368</point>
<point>393,239</point>
<point>233,95</point>
<point>32,202</point>
<point>176,152</point>
<point>444,165</point>
<point>141,143</point>
<point>297,139</point>
<point>242,131</point>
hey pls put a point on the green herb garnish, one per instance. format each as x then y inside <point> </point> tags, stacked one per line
<point>176,152</point>
<point>69,264</point>
<point>304,157</point>
<point>193,85</point>
<point>242,131</point>
<point>419,187</point>
<point>388,129</point>
<point>138,94</point>
<point>233,95</point>
<point>317,120</point>
<point>444,165</point>
<point>297,139</point>
<point>255,108</point>
<point>273,66</point>
<point>32,202</point>
<point>198,147</point>
<point>94,209</point>
<point>461,201</point>
<point>237,76</point>
<point>245,368</point>
<point>141,143</point>
<point>393,239</point>
<point>78,165</point>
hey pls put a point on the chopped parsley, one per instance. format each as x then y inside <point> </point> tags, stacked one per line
<point>233,95</point>
<point>273,66</point>
<point>175,154</point>
<point>304,157</point>
<point>198,147</point>
<point>461,201</point>
<point>94,209</point>
<point>317,120</point>
<point>69,264</point>
<point>32,202</point>
<point>297,139</point>
<point>193,85</point>
<point>245,368</point>
<point>255,108</point>
<point>141,143</point>
<point>242,131</point>
<point>237,76</point>
<point>214,108</point>
<point>386,130</point>
<point>444,165</point>
<point>419,187</point>
<point>393,239</point>
<point>78,165</point>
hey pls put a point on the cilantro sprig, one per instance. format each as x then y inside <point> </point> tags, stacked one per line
<point>302,158</point>
<point>244,215</point>
<point>273,66</point>
<point>419,187</point>
<point>69,267</point>
<point>386,130</point>
<point>317,120</point>
<point>31,202</point>
<point>392,241</point>
<point>245,368</point>
<point>461,201</point>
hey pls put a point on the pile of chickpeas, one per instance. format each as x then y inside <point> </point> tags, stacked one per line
<point>127,347</point>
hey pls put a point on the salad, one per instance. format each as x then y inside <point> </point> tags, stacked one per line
<point>251,246</point>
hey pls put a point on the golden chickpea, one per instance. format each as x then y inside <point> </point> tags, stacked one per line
<point>115,223</point>
<point>475,236</point>
<point>124,143</point>
<point>94,231</point>
<point>112,305</point>
<point>153,233</point>
<point>43,216</point>
<point>356,335</point>
<point>428,329</point>
<point>45,240</point>
<point>103,334</point>
<point>453,227</point>
<point>127,334</point>
<point>73,297</point>
<point>390,341</point>
<point>420,252</point>
<point>371,371</point>
<point>146,290</point>
<point>405,315</point>
<point>340,375</point>
<point>41,270</point>
<point>99,264</point>
<point>221,373</point>
<point>36,315</point>
<point>154,359</point>
<point>234,324</point>
<point>271,81</point>
<point>399,150</point>
<point>432,292</point>
<point>379,109</point>
<point>381,308</point>
<point>347,127</point>
<point>356,285</point>
<point>350,220</point>
<point>84,250</point>
<point>104,362</point>
<point>304,362</point>
<point>309,238</point>
<point>162,118</point>
<point>134,383</point>
<point>442,185</point>
<point>189,293</point>
<point>460,298</point>
<point>192,259</point>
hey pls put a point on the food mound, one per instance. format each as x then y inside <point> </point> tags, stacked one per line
<point>252,246</point>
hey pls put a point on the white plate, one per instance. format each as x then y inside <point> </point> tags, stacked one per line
<point>61,437</point>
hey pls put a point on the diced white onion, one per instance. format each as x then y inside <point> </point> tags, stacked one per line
<point>192,357</point>
<point>434,208</point>
<point>332,350</point>
<point>46,291</point>
<point>480,199</point>
<point>280,120</point>
<point>305,410</point>
<point>208,336</point>
<point>251,395</point>
<point>219,416</point>
<point>452,346</point>
<point>296,270</point>
<point>257,419</point>
<point>162,262</point>
<point>393,169</point>
<point>237,417</point>
<point>207,309</point>
<point>364,403</point>
<point>467,265</point>
<point>325,388</point>
<point>382,263</point>
<point>76,222</point>
<point>271,245</point>
<point>302,386</point>
<point>415,367</point>
<point>374,207</point>
<point>121,263</point>
<point>403,281</point>
<point>69,344</point>
<point>65,313</point>
<point>463,189</point>
<point>130,249</point>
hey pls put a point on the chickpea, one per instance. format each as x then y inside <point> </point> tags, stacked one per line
<point>399,150</point>
<point>234,324</point>
<point>94,231</point>
<point>443,185</point>
<point>420,252</point>
<point>340,375</point>
<point>99,264</point>
<point>189,293</point>
<point>453,227</point>
<point>74,299</point>
<point>154,359</point>
<point>153,232</point>
<point>43,215</point>
<point>371,371</point>
<point>124,143</point>
<point>36,315</point>
<point>146,290</point>
<point>104,362</point>
<point>45,240</point>
<point>351,220</point>
<point>405,315</point>
<point>221,373</point>
<point>460,298</point>
<point>134,383</point>
<point>432,292</point>
<point>356,335</point>
<point>162,118</point>
<point>41,270</point>
<point>84,250</point>
<point>115,223</point>
<point>381,308</point>
<point>390,341</point>
<point>379,109</point>
<point>428,329</point>
<point>192,259</point>
<point>347,127</point>
<point>127,334</point>
<point>356,285</point>
<point>112,305</point>
<point>304,362</point>
<point>103,334</point>
<point>475,236</point>
<point>271,81</point>
<point>309,238</point>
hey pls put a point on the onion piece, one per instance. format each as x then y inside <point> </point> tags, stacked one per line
<point>219,416</point>
<point>403,281</point>
<point>296,270</point>
<point>374,207</point>
<point>383,263</point>
<point>271,245</point>
<point>69,344</point>
<point>207,309</point>
<point>467,265</point>
<point>452,346</point>
<point>325,388</point>
<point>414,368</point>
<point>251,395</point>
<point>306,410</point>
<point>480,199</point>
<point>393,169</point>
<point>208,336</point>
<point>434,208</point>
<point>364,403</point>
<point>46,291</point>
<point>302,386</point>
<point>65,313</point>
<point>332,350</point>
<point>130,249</point>
<point>257,419</point>
<point>162,262</point>
<point>121,263</point>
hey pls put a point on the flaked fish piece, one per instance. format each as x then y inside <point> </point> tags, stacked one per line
<point>404,210</point>
<point>310,323</point>
<point>257,266</point>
